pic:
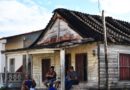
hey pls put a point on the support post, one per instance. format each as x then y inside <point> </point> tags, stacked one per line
<point>62,62</point>
<point>58,32</point>
<point>105,49</point>
<point>30,64</point>
<point>31,58</point>
<point>24,64</point>
<point>6,71</point>
<point>98,51</point>
<point>27,60</point>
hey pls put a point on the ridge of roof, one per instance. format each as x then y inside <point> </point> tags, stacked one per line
<point>118,30</point>
<point>22,34</point>
<point>63,9</point>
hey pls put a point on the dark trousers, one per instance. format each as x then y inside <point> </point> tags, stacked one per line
<point>68,84</point>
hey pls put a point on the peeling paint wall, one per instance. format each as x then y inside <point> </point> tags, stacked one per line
<point>113,66</point>
<point>55,60</point>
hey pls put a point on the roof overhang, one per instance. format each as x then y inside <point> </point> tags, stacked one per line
<point>49,48</point>
<point>31,51</point>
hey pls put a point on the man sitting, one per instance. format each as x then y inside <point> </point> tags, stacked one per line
<point>50,77</point>
<point>71,78</point>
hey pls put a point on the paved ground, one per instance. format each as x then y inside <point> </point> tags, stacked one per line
<point>20,89</point>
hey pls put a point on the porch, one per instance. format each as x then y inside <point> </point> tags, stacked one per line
<point>80,57</point>
<point>11,80</point>
<point>37,62</point>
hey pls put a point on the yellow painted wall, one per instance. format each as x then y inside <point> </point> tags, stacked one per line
<point>55,60</point>
<point>92,60</point>
<point>37,70</point>
<point>14,43</point>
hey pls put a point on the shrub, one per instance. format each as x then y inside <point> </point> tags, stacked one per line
<point>3,88</point>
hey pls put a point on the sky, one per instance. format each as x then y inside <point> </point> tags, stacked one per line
<point>21,16</point>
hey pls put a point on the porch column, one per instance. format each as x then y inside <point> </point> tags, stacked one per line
<point>6,71</point>
<point>2,55</point>
<point>24,64</point>
<point>62,63</point>
<point>27,61</point>
<point>30,64</point>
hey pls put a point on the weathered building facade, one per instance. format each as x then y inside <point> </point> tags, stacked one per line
<point>88,56</point>
<point>13,63</point>
<point>80,35</point>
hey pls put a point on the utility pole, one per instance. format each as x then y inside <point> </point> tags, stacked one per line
<point>105,49</point>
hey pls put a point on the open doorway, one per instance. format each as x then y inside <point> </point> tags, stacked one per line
<point>45,67</point>
<point>67,61</point>
<point>81,66</point>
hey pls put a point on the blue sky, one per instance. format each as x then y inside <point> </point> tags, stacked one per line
<point>21,16</point>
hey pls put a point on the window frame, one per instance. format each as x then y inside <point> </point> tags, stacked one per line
<point>127,53</point>
<point>10,64</point>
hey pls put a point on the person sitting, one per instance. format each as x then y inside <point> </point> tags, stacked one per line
<point>28,83</point>
<point>71,78</point>
<point>50,77</point>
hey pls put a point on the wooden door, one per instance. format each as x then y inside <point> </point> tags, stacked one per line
<point>67,61</point>
<point>81,66</point>
<point>45,67</point>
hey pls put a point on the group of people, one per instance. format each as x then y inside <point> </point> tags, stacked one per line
<point>71,78</point>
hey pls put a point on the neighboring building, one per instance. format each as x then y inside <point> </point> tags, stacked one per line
<point>15,60</point>
<point>2,56</point>
<point>80,36</point>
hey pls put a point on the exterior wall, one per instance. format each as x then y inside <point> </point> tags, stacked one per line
<point>18,60</point>
<point>55,60</point>
<point>92,61</point>
<point>14,43</point>
<point>37,64</point>
<point>2,56</point>
<point>92,67</point>
<point>113,66</point>
<point>55,35</point>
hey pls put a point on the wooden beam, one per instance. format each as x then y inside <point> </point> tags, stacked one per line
<point>27,61</point>
<point>6,71</point>
<point>62,62</point>
<point>98,53</point>
<point>105,49</point>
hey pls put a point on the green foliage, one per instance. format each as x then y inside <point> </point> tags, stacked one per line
<point>3,88</point>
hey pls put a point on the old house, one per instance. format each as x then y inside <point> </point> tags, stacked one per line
<point>77,39</point>
<point>13,62</point>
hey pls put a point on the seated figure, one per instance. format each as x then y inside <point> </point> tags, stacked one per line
<point>50,77</point>
<point>28,83</point>
<point>71,78</point>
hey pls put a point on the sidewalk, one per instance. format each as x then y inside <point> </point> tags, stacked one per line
<point>20,89</point>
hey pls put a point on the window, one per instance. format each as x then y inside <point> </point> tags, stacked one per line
<point>124,66</point>
<point>12,65</point>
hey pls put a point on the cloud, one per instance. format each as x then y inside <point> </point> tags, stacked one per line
<point>60,6</point>
<point>20,17</point>
<point>114,6</point>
